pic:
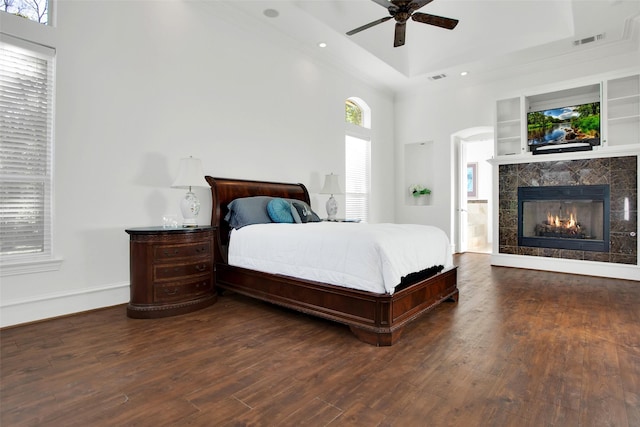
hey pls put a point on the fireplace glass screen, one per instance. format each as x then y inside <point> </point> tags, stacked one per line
<point>582,219</point>
<point>565,217</point>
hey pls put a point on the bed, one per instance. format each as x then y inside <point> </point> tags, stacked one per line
<point>374,318</point>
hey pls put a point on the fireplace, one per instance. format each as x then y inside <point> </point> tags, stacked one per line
<point>564,217</point>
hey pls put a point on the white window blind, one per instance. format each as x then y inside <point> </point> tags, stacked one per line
<point>26,122</point>
<point>357,180</point>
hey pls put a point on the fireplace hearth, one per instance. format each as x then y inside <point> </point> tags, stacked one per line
<point>564,217</point>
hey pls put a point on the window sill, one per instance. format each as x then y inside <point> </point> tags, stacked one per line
<point>14,268</point>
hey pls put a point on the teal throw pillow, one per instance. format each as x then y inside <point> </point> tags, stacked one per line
<point>280,210</point>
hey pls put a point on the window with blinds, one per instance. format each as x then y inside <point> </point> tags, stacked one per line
<point>26,121</point>
<point>357,159</point>
<point>357,180</point>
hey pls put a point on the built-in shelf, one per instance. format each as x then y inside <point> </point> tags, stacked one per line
<point>623,111</point>
<point>619,108</point>
<point>508,127</point>
<point>628,98</point>
<point>623,119</point>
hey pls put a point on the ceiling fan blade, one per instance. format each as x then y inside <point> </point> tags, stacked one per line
<point>401,29</point>
<point>388,4</point>
<point>369,25</point>
<point>417,4</point>
<point>438,21</point>
<point>383,3</point>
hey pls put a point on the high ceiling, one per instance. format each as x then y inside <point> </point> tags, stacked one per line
<point>491,37</point>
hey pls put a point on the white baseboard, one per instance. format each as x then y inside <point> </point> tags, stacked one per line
<point>53,305</point>
<point>561,265</point>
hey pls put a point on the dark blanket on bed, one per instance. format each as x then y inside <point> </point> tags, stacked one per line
<point>412,278</point>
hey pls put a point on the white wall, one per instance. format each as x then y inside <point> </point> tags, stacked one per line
<point>428,114</point>
<point>142,84</point>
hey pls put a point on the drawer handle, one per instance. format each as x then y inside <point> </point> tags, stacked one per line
<point>175,252</point>
<point>167,291</point>
<point>201,250</point>
<point>204,284</point>
<point>201,267</point>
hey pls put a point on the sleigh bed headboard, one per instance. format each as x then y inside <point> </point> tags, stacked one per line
<point>225,190</point>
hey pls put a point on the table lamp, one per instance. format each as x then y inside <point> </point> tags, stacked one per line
<point>190,175</point>
<point>331,186</point>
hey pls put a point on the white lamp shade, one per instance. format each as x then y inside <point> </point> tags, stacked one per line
<point>190,174</point>
<point>331,185</point>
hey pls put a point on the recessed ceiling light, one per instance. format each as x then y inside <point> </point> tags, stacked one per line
<point>271,13</point>
<point>322,44</point>
<point>464,73</point>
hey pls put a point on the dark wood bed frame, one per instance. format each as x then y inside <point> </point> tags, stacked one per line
<point>377,319</point>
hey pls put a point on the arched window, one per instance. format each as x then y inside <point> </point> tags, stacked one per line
<point>357,159</point>
<point>353,113</point>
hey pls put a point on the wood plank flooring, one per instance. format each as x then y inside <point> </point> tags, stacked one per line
<point>521,348</point>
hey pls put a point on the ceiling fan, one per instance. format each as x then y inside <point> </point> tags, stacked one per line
<point>401,11</point>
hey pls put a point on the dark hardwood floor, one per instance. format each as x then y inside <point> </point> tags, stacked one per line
<point>521,348</point>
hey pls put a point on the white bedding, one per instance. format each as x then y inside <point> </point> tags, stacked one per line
<point>369,257</point>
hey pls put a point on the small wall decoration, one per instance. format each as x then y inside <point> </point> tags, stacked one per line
<point>472,179</point>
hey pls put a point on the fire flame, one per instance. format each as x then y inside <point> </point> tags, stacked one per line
<point>557,222</point>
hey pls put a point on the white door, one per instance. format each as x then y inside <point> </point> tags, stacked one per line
<point>462,197</point>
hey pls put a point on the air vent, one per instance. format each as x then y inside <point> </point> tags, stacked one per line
<point>438,77</point>
<point>587,40</point>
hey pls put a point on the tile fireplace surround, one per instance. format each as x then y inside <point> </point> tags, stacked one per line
<point>621,173</point>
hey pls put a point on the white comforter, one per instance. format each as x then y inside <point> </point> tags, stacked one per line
<point>369,257</point>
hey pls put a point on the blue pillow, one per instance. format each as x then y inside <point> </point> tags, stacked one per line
<point>280,210</point>
<point>248,210</point>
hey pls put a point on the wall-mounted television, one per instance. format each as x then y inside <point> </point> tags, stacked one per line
<point>571,128</point>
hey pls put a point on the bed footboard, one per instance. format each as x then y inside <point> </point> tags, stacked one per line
<point>375,319</point>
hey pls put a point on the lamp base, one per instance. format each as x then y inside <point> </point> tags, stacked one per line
<point>190,207</point>
<point>332,208</point>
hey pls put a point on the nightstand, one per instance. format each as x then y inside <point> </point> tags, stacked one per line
<point>171,270</point>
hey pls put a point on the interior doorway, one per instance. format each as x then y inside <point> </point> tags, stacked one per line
<point>479,193</point>
<point>472,208</point>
